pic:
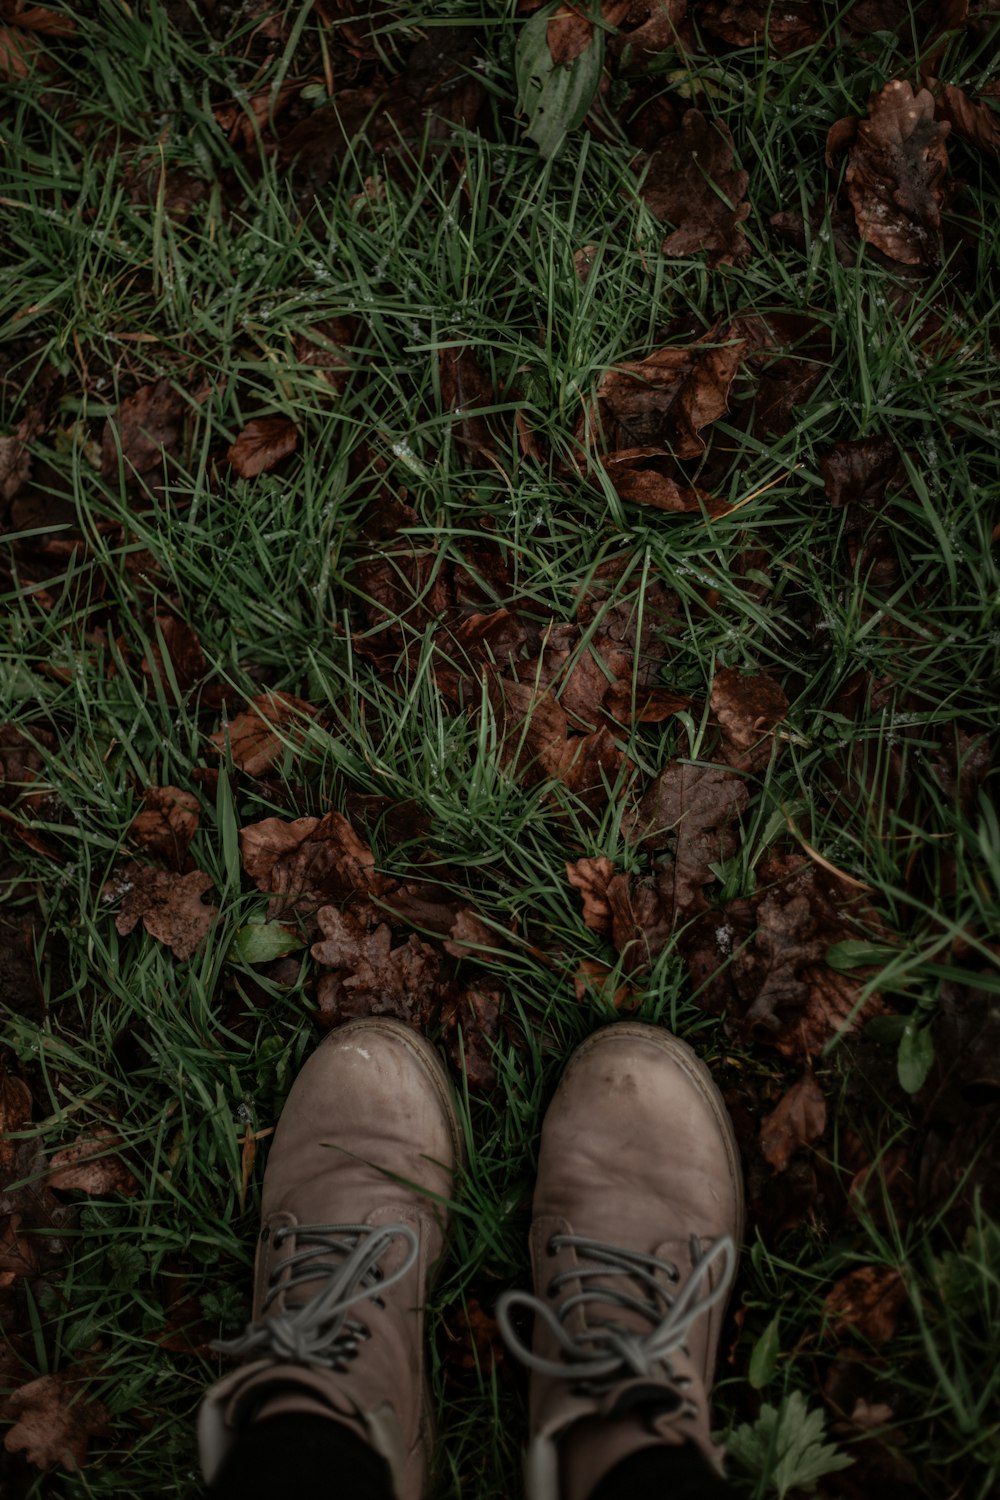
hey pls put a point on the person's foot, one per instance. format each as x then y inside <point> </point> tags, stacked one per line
<point>638,1211</point>
<point>353,1221</point>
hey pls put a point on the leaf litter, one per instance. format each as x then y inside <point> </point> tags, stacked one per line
<point>590,707</point>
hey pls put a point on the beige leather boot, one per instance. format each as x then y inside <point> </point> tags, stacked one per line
<point>352,1225</point>
<point>638,1210</point>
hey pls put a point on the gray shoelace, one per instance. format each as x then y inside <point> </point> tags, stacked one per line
<point>605,1352</point>
<point>319,1332</point>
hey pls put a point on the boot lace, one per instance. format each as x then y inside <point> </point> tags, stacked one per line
<point>604,1353</point>
<point>320,1332</point>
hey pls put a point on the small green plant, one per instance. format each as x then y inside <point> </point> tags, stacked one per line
<point>784,1449</point>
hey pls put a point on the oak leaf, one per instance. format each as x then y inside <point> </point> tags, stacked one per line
<point>747,709</point>
<point>798,1119</point>
<point>53,1422</point>
<point>259,736</point>
<point>166,825</point>
<point>15,1115</point>
<point>168,905</point>
<point>175,654</point>
<point>664,402</point>
<point>319,857</point>
<point>869,1299</point>
<point>896,174</point>
<point>91,1165</point>
<point>591,877</point>
<point>471,1022</point>
<point>691,812</point>
<point>262,443</point>
<point>691,182</point>
<point>146,428</point>
<point>372,978</point>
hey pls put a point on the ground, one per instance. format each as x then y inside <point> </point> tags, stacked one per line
<point>499,513</point>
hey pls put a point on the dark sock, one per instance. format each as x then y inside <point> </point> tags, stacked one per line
<point>663,1472</point>
<point>303,1455</point>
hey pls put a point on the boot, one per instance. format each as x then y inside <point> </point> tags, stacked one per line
<point>353,1221</point>
<point>638,1210</point>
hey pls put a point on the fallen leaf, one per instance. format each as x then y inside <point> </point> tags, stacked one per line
<point>690,181</point>
<point>318,857</point>
<point>174,642</point>
<point>593,978</point>
<point>470,937</point>
<point>323,347</point>
<point>470,1022</point>
<point>869,1299</point>
<point>690,813</point>
<point>373,978</point>
<point>797,1121</point>
<point>167,904</point>
<point>53,1422</point>
<point>15,1115</point>
<point>92,1165</point>
<point>262,443</point>
<point>858,471</point>
<point>648,28</point>
<point>166,825</point>
<point>17,53</point>
<point>22,764</point>
<point>781,974</point>
<point>591,877</point>
<point>978,124</point>
<point>464,387</point>
<point>531,728</point>
<point>146,428</point>
<point>17,1253</point>
<point>259,737</point>
<point>15,461</point>
<point>474,1341</point>
<point>896,174</point>
<point>663,402</point>
<point>746,710</point>
<point>788,28</point>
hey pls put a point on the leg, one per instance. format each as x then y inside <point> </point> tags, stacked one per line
<point>303,1455</point>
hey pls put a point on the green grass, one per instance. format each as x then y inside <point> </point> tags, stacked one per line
<point>104,288</point>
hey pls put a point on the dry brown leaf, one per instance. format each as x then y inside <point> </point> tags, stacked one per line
<point>647,28</point>
<point>869,1299</point>
<point>470,937</point>
<point>148,426</point>
<point>17,1253</point>
<point>40,19</point>
<point>570,30</point>
<point>896,174</point>
<point>979,124</point>
<point>319,857</point>
<point>797,1121</point>
<point>53,1422</point>
<point>594,979</point>
<point>591,877</point>
<point>259,736</point>
<point>168,905</point>
<point>747,710</point>
<point>167,824</point>
<point>15,462</point>
<point>21,765</point>
<point>15,1115</point>
<point>691,812</point>
<point>263,442</point>
<point>181,648</point>
<point>464,387</point>
<point>787,28</point>
<point>92,1165</point>
<point>323,345</point>
<point>18,53</point>
<point>470,1023</point>
<point>372,978</point>
<point>531,729</point>
<point>691,182</point>
<point>663,402</point>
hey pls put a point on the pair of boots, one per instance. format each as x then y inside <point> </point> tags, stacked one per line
<point>638,1209</point>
